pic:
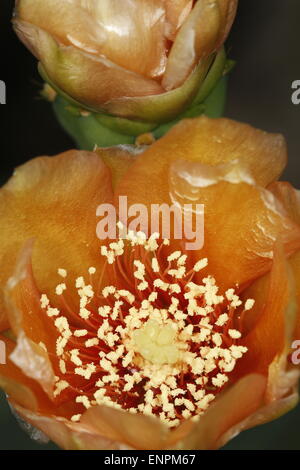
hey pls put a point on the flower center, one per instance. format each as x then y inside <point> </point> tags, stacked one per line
<point>157,343</point>
<point>152,342</point>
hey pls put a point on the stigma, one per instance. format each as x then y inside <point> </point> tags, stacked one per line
<point>160,339</point>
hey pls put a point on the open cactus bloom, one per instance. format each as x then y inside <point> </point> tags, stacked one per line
<point>136,59</point>
<point>139,342</point>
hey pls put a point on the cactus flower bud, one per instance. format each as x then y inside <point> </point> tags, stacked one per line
<point>142,60</point>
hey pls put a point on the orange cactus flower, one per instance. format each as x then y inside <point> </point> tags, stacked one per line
<point>141,59</point>
<point>141,343</point>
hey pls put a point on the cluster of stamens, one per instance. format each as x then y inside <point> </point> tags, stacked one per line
<point>152,342</point>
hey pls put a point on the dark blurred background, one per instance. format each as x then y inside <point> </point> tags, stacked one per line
<point>265,42</point>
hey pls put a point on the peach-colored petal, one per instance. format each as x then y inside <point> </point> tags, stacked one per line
<point>67,435</point>
<point>105,428</point>
<point>134,33</point>
<point>130,34</point>
<point>89,79</point>
<point>282,378</point>
<point>164,106</point>
<point>125,427</point>
<point>203,32</point>
<point>176,13</point>
<point>66,20</point>
<point>238,402</point>
<point>34,363</point>
<point>54,428</point>
<point>214,423</point>
<point>263,415</point>
<point>54,200</point>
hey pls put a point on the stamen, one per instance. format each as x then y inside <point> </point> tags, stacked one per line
<point>159,344</point>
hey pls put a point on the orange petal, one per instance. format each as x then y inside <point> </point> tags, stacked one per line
<point>268,338</point>
<point>203,32</point>
<point>209,141</point>
<point>30,324</point>
<point>232,407</point>
<point>118,159</point>
<point>290,198</point>
<point>4,323</point>
<point>18,386</point>
<point>295,265</point>
<point>239,218</point>
<point>54,200</point>
<point>257,290</point>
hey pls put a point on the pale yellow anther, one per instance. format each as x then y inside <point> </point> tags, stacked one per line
<point>217,339</point>
<point>60,289</point>
<point>60,386</point>
<point>153,297</point>
<point>249,304</point>
<point>143,286</point>
<point>175,288</point>
<point>91,342</point>
<point>76,418</point>
<point>173,256</point>
<point>84,400</point>
<point>86,371</point>
<point>182,260</point>
<point>44,301</point>
<point>79,283</point>
<point>62,366</point>
<point>235,334</point>
<point>75,357</point>
<point>62,272</point>
<point>220,380</point>
<point>53,312</point>
<point>222,320</point>
<point>201,264</point>
<point>109,290</point>
<point>155,265</point>
<point>161,284</point>
<point>233,298</point>
<point>80,333</point>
